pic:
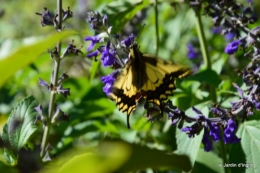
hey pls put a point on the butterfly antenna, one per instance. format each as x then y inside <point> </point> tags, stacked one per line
<point>140,32</point>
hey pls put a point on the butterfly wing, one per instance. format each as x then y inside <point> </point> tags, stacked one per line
<point>161,78</point>
<point>146,74</point>
<point>124,92</point>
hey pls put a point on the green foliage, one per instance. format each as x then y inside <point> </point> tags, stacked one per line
<point>250,143</point>
<point>81,144</point>
<point>28,54</point>
<point>119,156</point>
<point>123,11</point>
<point>19,127</point>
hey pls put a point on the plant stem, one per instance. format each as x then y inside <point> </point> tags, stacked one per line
<point>204,50</point>
<point>156,27</point>
<point>224,155</point>
<point>54,82</point>
<point>206,58</point>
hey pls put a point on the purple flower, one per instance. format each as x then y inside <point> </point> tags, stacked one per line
<point>175,115</point>
<point>199,113</point>
<point>206,140</point>
<point>39,109</point>
<point>190,130</point>
<point>191,51</point>
<point>108,56</point>
<point>194,129</point>
<point>128,41</point>
<point>219,111</point>
<point>63,77</point>
<point>93,54</point>
<point>109,82</point>
<point>105,21</point>
<point>214,131</point>
<point>47,17</point>
<point>229,132</point>
<point>244,105</point>
<point>94,40</point>
<point>232,47</point>
<point>43,83</point>
<point>229,36</point>
<point>64,91</point>
<point>95,20</point>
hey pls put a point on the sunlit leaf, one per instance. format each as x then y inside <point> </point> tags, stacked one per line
<point>28,54</point>
<point>250,142</point>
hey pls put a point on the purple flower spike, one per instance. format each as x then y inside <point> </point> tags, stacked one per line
<point>93,54</point>
<point>109,82</point>
<point>128,41</point>
<point>190,130</point>
<point>232,47</point>
<point>229,132</point>
<point>214,131</point>
<point>194,129</point>
<point>94,40</point>
<point>108,56</point>
<point>206,141</point>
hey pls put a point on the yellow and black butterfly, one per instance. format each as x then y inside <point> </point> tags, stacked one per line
<point>145,76</point>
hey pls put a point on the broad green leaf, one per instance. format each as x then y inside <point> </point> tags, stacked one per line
<point>250,141</point>
<point>204,157</point>
<point>206,76</point>
<point>28,54</point>
<point>119,156</point>
<point>186,145</point>
<point>20,126</point>
<point>120,12</point>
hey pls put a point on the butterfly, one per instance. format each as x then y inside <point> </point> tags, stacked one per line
<point>145,76</point>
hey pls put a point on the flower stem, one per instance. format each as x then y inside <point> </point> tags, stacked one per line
<point>156,27</point>
<point>54,82</point>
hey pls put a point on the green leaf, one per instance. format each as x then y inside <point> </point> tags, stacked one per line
<point>207,76</point>
<point>190,146</point>
<point>119,156</point>
<point>204,157</point>
<point>28,54</point>
<point>237,156</point>
<point>121,12</point>
<point>19,127</point>
<point>250,141</point>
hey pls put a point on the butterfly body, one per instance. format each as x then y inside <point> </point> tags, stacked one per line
<point>145,76</point>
